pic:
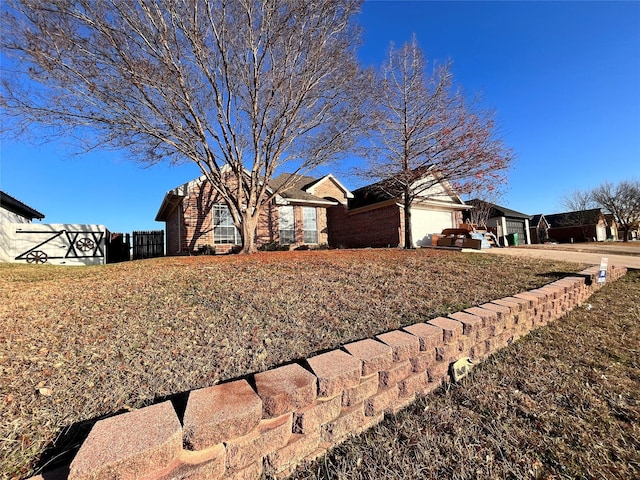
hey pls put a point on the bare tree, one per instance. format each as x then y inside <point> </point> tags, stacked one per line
<point>240,87</point>
<point>427,132</point>
<point>483,198</point>
<point>621,200</point>
<point>581,210</point>
<point>578,200</point>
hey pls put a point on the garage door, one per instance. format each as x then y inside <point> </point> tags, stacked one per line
<point>427,222</point>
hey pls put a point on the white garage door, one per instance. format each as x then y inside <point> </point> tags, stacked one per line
<point>427,222</point>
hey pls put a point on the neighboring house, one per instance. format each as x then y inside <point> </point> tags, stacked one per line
<point>539,229</point>
<point>12,211</point>
<point>507,224</point>
<point>195,216</point>
<point>577,226</point>
<point>374,218</point>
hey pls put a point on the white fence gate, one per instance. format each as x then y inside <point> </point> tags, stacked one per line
<point>58,244</point>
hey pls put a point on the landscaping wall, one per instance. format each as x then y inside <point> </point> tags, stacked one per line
<point>274,420</point>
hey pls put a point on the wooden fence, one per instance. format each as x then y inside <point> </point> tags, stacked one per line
<point>148,244</point>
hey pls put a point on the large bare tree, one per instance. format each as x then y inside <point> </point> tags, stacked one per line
<point>621,200</point>
<point>240,87</point>
<point>427,132</point>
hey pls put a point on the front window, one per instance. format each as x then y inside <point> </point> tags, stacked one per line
<point>310,224</point>
<point>287,228</point>
<point>224,230</point>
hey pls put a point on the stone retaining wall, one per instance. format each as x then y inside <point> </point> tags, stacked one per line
<point>297,412</point>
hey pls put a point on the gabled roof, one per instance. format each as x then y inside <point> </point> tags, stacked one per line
<point>299,189</point>
<point>497,210</point>
<point>534,221</point>
<point>577,217</point>
<point>298,192</point>
<point>376,193</point>
<point>16,206</point>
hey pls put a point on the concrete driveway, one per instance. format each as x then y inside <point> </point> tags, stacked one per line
<point>587,253</point>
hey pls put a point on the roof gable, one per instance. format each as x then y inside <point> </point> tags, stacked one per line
<point>497,210</point>
<point>440,191</point>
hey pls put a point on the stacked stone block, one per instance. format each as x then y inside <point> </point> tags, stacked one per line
<point>280,418</point>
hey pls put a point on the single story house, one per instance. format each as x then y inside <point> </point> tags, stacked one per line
<point>375,218</point>
<point>195,216</point>
<point>508,225</point>
<point>13,211</point>
<point>577,226</point>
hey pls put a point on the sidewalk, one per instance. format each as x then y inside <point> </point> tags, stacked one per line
<point>594,258</point>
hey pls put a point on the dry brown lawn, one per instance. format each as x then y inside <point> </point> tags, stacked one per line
<point>561,403</point>
<point>78,343</point>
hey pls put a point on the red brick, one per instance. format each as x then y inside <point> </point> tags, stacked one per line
<point>421,362</point>
<point>375,356</point>
<point>438,372</point>
<point>298,448</point>
<point>470,323</point>
<point>208,463</point>
<point>382,401</point>
<point>489,317</point>
<point>214,414</point>
<point>446,353</point>
<point>308,419</point>
<point>130,445</point>
<point>398,372</point>
<point>404,345</point>
<point>336,371</point>
<point>250,472</point>
<point>508,302</point>
<point>355,395</point>
<point>534,299</point>
<point>500,310</point>
<point>351,421</point>
<point>269,436</point>
<point>451,328</point>
<point>413,384</point>
<point>430,336</point>
<point>285,389</point>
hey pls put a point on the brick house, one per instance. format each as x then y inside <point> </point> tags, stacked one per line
<point>577,226</point>
<point>195,216</point>
<point>374,218</point>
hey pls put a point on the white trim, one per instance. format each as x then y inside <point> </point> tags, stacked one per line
<point>347,192</point>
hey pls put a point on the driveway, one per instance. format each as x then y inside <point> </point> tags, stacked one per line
<point>586,253</point>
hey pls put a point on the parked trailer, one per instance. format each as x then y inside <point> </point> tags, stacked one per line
<point>59,244</point>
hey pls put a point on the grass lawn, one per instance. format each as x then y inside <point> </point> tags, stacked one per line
<point>78,343</point>
<point>561,403</point>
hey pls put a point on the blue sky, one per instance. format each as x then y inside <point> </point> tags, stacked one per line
<point>564,78</point>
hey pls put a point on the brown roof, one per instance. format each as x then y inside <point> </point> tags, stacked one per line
<point>298,189</point>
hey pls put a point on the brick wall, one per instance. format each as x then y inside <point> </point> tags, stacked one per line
<point>379,227</point>
<point>295,413</point>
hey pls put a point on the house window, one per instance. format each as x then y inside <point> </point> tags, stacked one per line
<point>310,225</point>
<point>224,231</point>
<point>287,227</point>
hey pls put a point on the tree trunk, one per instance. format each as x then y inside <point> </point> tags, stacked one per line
<point>248,233</point>
<point>408,236</point>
